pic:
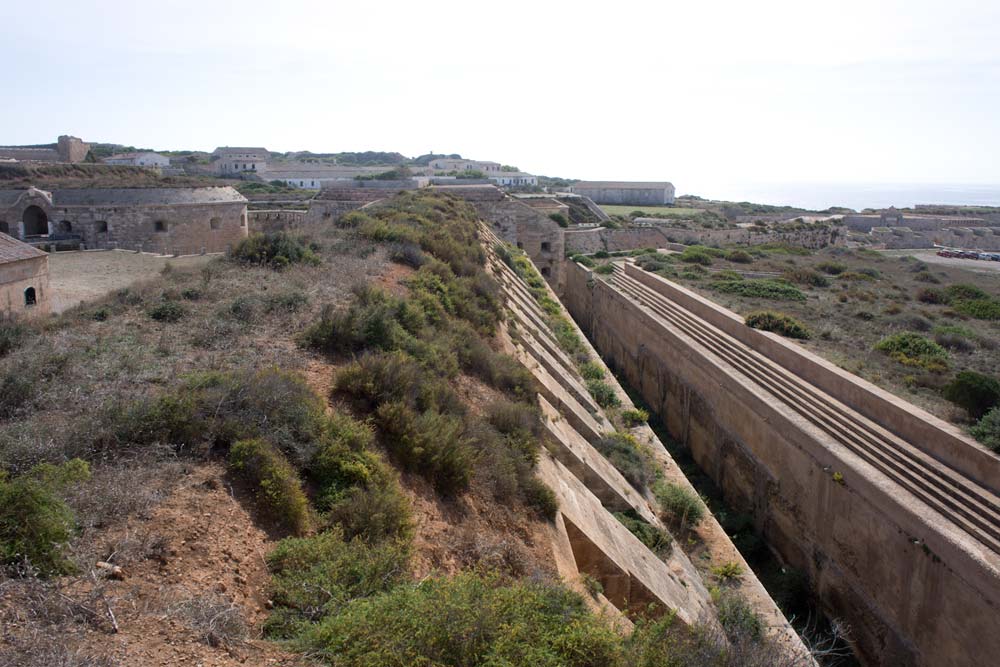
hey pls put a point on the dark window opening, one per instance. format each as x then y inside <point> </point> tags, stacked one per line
<point>546,246</point>
<point>215,223</point>
<point>29,297</point>
<point>36,222</point>
<point>520,245</point>
<point>101,226</point>
<point>545,271</point>
<point>65,227</point>
<point>159,226</point>
<point>243,220</point>
<point>3,227</point>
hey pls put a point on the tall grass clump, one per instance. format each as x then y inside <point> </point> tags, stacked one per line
<point>779,323</point>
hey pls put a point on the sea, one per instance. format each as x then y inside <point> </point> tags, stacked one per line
<point>858,196</point>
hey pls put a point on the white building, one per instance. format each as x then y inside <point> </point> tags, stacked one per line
<point>513,179</point>
<point>238,160</point>
<point>140,159</point>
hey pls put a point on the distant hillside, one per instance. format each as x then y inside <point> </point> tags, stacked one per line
<point>20,175</point>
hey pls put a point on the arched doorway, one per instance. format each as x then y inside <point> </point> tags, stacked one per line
<point>29,297</point>
<point>36,223</point>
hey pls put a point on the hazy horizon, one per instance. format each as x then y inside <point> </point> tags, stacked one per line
<point>718,98</point>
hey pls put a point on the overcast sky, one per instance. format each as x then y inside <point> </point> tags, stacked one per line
<point>702,93</point>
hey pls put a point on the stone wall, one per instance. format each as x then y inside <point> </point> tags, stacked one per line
<point>541,238</point>
<point>971,238</point>
<point>16,277</point>
<point>658,236</point>
<point>274,220</point>
<point>911,593</point>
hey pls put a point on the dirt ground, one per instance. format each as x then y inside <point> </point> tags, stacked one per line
<point>80,276</point>
<point>975,265</point>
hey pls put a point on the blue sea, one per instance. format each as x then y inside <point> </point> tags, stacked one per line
<point>818,196</point>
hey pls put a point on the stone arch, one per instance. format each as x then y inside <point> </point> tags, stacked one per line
<point>215,223</point>
<point>65,227</point>
<point>29,297</point>
<point>36,222</point>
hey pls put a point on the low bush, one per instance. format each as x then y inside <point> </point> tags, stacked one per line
<point>856,276</point>
<point>605,269</point>
<point>926,277</point>
<point>583,260</point>
<point>276,251</point>
<point>634,417</point>
<point>35,523</point>
<point>276,486</point>
<point>728,571</point>
<point>778,323</point>
<point>591,370</point>
<point>559,219</point>
<point>167,311</point>
<point>603,393</point>
<point>12,333</point>
<point>975,392</point>
<point>931,295</point>
<point>633,460</point>
<point>739,257</point>
<point>656,539</point>
<point>980,309</point>
<point>760,289</point>
<point>912,349</point>
<point>832,268</point>
<point>695,256</point>
<point>738,619</point>
<point>316,577</point>
<point>987,430</point>
<point>806,277</point>
<point>963,291</point>
<point>479,620</point>
<point>540,497</point>
<point>679,505</point>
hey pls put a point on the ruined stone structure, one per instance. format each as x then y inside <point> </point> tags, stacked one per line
<point>68,149</point>
<point>593,239</point>
<point>970,238</point>
<point>636,193</point>
<point>893,217</point>
<point>276,220</point>
<point>24,279</point>
<point>179,221</point>
<point>893,514</point>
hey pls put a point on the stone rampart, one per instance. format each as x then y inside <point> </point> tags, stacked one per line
<point>275,220</point>
<point>658,236</point>
<point>913,589</point>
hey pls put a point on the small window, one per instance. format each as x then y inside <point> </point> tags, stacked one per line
<point>159,226</point>
<point>65,227</point>
<point>545,271</point>
<point>215,223</point>
<point>243,220</point>
<point>101,226</point>
<point>29,297</point>
<point>3,227</point>
<point>546,246</point>
<point>520,245</point>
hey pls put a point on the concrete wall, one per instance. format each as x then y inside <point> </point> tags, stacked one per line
<point>910,594</point>
<point>652,196</point>
<point>657,236</point>
<point>16,277</point>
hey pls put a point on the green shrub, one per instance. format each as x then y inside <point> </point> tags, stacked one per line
<point>987,430</point>
<point>831,268</point>
<point>541,498</point>
<point>591,370</point>
<point>806,277</point>
<point>605,269</point>
<point>965,292</point>
<point>931,295</point>
<point>12,333</point>
<point>728,571</point>
<point>912,349</point>
<point>478,621</point>
<point>276,251</point>
<point>603,393</point>
<point>429,443</point>
<point>602,254</point>
<point>981,309</point>
<point>316,577</point>
<point>633,460</point>
<point>679,505</point>
<point>760,289</point>
<point>583,260</point>
<point>975,392</point>
<point>859,275</point>
<point>695,256</point>
<point>275,484</point>
<point>738,619</point>
<point>167,311</point>
<point>559,219</point>
<point>634,417</point>
<point>656,539</point>
<point>739,257</point>
<point>778,323</point>
<point>926,277</point>
<point>35,523</point>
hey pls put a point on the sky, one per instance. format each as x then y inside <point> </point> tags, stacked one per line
<point>717,97</point>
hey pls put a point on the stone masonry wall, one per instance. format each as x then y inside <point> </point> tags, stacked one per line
<point>909,595</point>
<point>599,238</point>
<point>276,220</point>
<point>16,277</point>
<point>540,237</point>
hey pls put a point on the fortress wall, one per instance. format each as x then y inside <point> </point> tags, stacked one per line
<point>658,236</point>
<point>276,220</point>
<point>540,237</point>
<point>189,229</point>
<point>936,437</point>
<point>910,595</point>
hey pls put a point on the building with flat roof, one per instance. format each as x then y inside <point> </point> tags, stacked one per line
<point>232,161</point>
<point>176,221</point>
<point>139,159</point>
<point>627,193</point>
<point>24,279</point>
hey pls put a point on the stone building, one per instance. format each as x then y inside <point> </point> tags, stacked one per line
<point>893,217</point>
<point>67,149</point>
<point>628,193</point>
<point>180,221</point>
<point>24,279</point>
<point>513,179</point>
<point>234,161</point>
<point>139,159</point>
